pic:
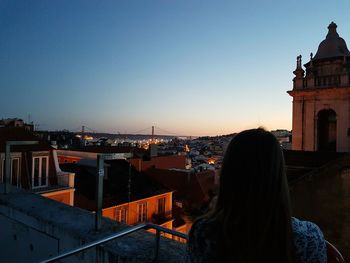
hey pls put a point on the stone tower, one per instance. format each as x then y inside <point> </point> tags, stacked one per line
<point>321,98</point>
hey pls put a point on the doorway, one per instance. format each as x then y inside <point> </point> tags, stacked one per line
<point>327,130</point>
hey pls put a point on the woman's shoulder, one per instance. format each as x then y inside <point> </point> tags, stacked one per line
<point>309,243</point>
<point>205,227</point>
<point>202,243</point>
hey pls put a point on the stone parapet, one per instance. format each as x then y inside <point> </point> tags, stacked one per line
<point>44,228</point>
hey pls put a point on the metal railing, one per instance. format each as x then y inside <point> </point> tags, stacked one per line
<point>122,233</point>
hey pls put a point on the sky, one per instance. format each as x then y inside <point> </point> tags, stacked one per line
<point>189,67</point>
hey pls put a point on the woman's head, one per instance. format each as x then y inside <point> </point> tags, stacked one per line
<point>252,170</point>
<point>253,202</point>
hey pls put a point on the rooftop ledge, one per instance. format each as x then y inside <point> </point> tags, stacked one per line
<point>43,228</point>
<point>340,90</point>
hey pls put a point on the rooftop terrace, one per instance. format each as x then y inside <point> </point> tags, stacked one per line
<point>43,228</point>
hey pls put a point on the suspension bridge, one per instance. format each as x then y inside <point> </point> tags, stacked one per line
<point>151,131</point>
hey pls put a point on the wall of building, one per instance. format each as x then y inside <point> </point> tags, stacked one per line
<point>89,155</point>
<point>181,229</point>
<point>297,123</point>
<point>28,238</point>
<point>324,198</point>
<point>152,208</point>
<point>305,110</point>
<point>23,243</point>
<point>63,196</point>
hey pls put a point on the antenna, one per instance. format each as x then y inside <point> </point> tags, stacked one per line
<point>129,183</point>
<point>152,138</point>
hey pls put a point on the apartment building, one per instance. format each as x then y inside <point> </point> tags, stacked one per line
<point>34,167</point>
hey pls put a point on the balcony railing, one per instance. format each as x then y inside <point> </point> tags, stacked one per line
<point>122,233</point>
<point>332,253</point>
<point>64,180</point>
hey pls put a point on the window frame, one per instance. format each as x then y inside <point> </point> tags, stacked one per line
<point>14,155</point>
<point>40,185</point>
<point>142,212</point>
<point>121,215</point>
<point>18,171</point>
<point>159,207</point>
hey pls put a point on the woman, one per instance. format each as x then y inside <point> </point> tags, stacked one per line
<point>251,220</point>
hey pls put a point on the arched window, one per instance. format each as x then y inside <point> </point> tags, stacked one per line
<point>326,130</point>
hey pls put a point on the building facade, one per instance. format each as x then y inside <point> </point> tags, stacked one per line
<point>34,168</point>
<point>129,196</point>
<point>156,209</point>
<point>321,98</point>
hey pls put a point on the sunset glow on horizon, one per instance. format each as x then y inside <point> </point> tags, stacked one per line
<point>189,67</point>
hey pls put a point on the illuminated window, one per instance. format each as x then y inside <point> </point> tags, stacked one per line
<point>141,212</point>
<point>178,204</point>
<point>40,171</point>
<point>161,206</point>
<point>121,215</point>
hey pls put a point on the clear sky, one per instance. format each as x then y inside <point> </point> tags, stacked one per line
<point>190,67</point>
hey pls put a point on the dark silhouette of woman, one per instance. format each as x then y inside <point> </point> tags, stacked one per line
<point>251,220</point>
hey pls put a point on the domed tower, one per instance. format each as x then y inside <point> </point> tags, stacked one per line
<point>321,98</point>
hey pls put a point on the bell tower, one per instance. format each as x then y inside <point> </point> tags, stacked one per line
<point>321,98</point>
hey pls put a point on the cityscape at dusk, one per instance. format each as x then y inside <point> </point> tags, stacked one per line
<point>174,131</point>
<point>190,67</point>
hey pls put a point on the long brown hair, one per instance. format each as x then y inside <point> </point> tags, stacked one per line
<point>253,206</point>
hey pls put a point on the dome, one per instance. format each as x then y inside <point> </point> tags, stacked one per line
<point>333,45</point>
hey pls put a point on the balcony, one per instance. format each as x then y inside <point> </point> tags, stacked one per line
<point>65,179</point>
<point>62,191</point>
<point>162,218</point>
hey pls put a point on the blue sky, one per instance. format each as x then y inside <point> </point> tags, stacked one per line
<point>189,67</point>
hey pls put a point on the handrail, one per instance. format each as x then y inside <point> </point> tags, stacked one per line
<point>121,234</point>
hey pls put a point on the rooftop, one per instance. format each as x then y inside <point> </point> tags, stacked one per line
<point>20,134</point>
<point>300,163</point>
<point>194,188</point>
<point>116,188</point>
<point>109,149</point>
<point>63,222</point>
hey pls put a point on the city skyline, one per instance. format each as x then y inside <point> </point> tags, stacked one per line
<point>192,68</point>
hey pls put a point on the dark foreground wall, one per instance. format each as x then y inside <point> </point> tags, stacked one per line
<point>324,198</point>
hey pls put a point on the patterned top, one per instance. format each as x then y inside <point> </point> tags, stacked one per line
<point>309,243</point>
